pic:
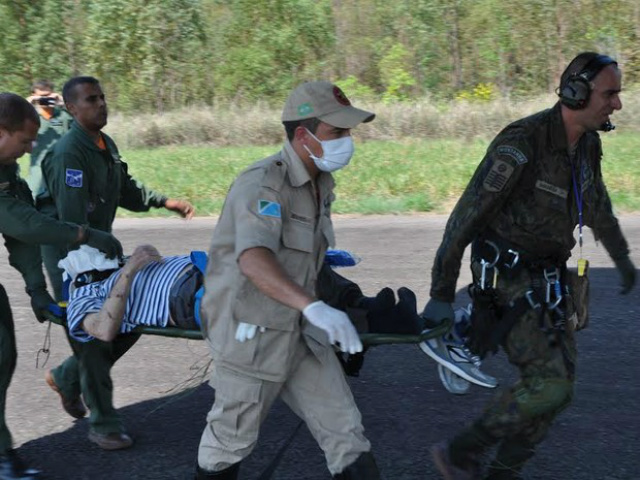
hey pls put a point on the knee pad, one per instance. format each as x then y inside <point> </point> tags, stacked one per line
<point>544,396</point>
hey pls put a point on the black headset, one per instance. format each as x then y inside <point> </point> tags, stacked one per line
<point>575,91</point>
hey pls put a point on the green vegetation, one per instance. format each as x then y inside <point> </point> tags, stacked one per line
<point>621,170</point>
<point>160,55</point>
<point>259,124</point>
<point>384,176</point>
<point>197,86</point>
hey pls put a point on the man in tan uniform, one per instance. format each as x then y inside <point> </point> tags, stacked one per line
<point>268,333</point>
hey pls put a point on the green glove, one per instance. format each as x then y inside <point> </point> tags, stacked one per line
<point>627,272</point>
<point>40,300</point>
<point>103,241</point>
<point>436,311</point>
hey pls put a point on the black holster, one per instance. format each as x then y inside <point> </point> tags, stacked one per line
<point>490,323</point>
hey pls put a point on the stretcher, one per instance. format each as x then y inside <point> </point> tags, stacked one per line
<point>334,258</point>
<point>368,339</point>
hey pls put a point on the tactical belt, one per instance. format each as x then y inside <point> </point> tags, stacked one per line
<point>509,258</point>
<point>492,323</point>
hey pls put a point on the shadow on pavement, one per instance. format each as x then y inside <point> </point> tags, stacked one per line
<point>405,410</point>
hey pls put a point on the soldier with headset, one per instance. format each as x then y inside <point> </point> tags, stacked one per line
<point>540,178</point>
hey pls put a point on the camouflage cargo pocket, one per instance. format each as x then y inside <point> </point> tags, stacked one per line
<point>578,313</point>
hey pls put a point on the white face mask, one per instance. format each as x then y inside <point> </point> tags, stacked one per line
<point>336,153</point>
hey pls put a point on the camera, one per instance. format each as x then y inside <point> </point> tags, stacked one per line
<point>46,101</point>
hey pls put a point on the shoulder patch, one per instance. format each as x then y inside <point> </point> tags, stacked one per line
<point>73,178</point>
<point>269,209</point>
<point>497,177</point>
<point>512,152</point>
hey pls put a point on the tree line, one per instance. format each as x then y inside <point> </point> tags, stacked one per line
<point>156,55</point>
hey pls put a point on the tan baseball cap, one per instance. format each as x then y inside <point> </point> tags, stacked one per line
<point>326,102</point>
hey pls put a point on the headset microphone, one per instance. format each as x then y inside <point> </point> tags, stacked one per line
<point>607,126</point>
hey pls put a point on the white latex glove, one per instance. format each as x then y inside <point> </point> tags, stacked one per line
<point>247,331</point>
<point>337,325</point>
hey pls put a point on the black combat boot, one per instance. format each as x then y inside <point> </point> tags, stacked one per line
<point>230,473</point>
<point>364,468</point>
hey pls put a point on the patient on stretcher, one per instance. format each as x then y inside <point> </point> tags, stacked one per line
<point>150,290</point>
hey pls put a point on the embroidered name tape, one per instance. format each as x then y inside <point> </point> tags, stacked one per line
<point>73,178</point>
<point>269,209</point>
<point>548,187</point>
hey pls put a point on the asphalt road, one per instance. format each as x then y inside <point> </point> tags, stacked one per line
<point>405,409</point>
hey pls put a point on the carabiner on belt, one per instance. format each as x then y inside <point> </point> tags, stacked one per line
<point>552,277</point>
<point>486,265</point>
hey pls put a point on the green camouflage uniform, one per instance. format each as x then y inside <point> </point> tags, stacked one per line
<point>86,185</point>
<point>21,225</point>
<point>522,193</point>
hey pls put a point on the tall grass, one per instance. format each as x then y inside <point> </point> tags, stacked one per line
<point>259,124</point>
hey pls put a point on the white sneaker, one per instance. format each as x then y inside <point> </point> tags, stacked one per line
<point>452,354</point>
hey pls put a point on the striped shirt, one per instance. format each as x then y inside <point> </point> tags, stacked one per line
<point>147,303</point>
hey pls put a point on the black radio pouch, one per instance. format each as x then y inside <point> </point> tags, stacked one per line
<point>484,334</point>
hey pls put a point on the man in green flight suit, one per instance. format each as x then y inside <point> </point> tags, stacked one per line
<point>87,180</point>
<point>55,121</point>
<point>23,228</point>
<point>540,178</point>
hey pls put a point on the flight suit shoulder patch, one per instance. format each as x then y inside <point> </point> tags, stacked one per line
<point>498,176</point>
<point>73,178</point>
